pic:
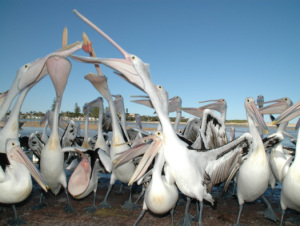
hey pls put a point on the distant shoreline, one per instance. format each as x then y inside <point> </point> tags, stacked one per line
<point>94,126</point>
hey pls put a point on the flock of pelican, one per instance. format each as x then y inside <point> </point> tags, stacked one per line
<point>166,163</point>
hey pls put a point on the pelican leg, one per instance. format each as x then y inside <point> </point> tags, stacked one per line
<point>200,214</point>
<point>15,220</point>
<point>140,217</point>
<point>269,212</point>
<point>282,216</point>
<point>187,220</point>
<point>140,196</point>
<point>93,208</point>
<point>68,208</point>
<point>104,204</point>
<point>172,216</point>
<point>239,216</point>
<point>129,205</point>
<point>121,189</point>
<point>41,205</point>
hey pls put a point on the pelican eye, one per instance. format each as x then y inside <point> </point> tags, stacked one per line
<point>133,57</point>
<point>158,133</point>
<point>26,66</point>
<point>13,143</point>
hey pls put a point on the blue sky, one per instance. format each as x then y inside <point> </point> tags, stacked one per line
<point>198,50</point>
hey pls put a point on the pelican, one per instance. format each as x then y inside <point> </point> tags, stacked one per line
<point>161,193</point>
<point>52,157</point>
<point>185,167</point>
<point>291,183</point>
<point>84,179</point>
<point>124,172</point>
<point>119,102</point>
<point>253,175</point>
<point>15,179</point>
<point>212,130</point>
<point>86,110</point>
<point>2,97</point>
<point>277,157</point>
<point>31,73</point>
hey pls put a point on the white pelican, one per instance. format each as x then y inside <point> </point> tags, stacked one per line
<point>119,102</point>
<point>291,182</point>
<point>161,193</point>
<point>253,175</point>
<point>124,172</point>
<point>277,156</point>
<point>15,179</point>
<point>31,73</point>
<point>52,157</point>
<point>186,168</point>
<point>212,131</point>
<point>84,179</point>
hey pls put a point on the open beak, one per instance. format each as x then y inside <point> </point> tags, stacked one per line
<point>18,155</point>
<point>289,114</point>
<point>278,106</point>
<point>125,67</point>
<point>255,114</point>
<point>80,177</point>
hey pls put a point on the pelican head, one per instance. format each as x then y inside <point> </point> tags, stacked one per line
<point>289,114</point>
<point>131,68</point>
<point>278,106</point>
<point>253,112</point>
<point>15,153</point>
<point>31,73</point>
<point>219,105</point>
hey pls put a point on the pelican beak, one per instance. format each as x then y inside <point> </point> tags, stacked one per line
<point>174,104</point>
<point>149,151</point>
<point>194,111</point>
<point>217,105</point>
<point>125,67</point>
<point>255,114</point>
<point>146,160</point>
<point>278,106</point>
<point>80,178</point>
<point>18,155</point>
<point>145,102</point>
<point>288,114</point>
<point>100,84</point>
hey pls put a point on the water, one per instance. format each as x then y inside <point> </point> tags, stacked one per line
<point>239,130</point>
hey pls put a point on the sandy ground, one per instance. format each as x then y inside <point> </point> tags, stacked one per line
<point>225,212</point>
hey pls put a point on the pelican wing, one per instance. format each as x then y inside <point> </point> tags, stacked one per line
<point>226,164</point>
<point>273,140</point>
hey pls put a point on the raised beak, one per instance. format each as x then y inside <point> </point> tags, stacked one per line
<point>278,106</point>
<point>174,104</point>
<point>255,114</point>
<point>18,155</point>
<point>59,69</point>
<point>125,66</point>
<point>289,114</point>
